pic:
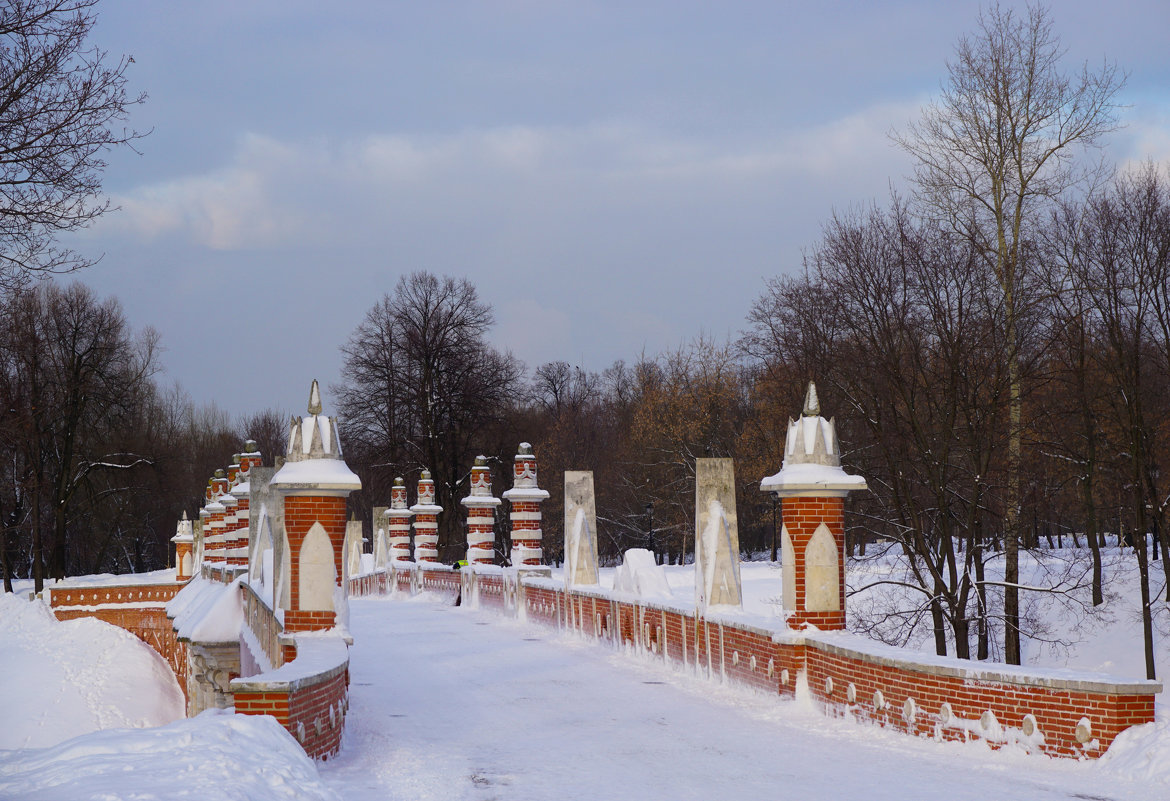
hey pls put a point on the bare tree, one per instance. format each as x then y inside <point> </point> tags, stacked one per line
<point>421,387</point>
<point>269,429</point>
<point>62,102</point>
<point>76,376</point>
<point>1116,250</point>
<point>1001,143</point>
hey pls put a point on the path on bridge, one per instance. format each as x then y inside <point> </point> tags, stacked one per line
<point>450,703</point>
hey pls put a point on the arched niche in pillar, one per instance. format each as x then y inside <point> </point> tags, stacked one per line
<point>318,571</point>
<point>788,569</point>
<point>821,590</point>
<point>185,564</point>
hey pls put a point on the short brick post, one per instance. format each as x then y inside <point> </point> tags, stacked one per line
<point>525,498</point>
<point>426,521</point>
<point>481,505</point>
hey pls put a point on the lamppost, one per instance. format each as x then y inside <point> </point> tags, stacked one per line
<point>650,527</point>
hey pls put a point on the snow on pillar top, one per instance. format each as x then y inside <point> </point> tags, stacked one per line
<point>184,531</point>
<point>481,485</point>
<point>313,459</point>
<point>426,495</point>
<point>398,494</point>
<point>812,457</point>
<point>524,487</point>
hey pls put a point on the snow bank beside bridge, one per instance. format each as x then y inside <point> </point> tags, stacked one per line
<point>63,679</point>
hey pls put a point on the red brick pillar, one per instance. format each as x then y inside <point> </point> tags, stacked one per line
<point>525,498</point>
<point>813,488</point>
<point>398,523</point>
<point>481,505</point>
<point>426,521</point>
<point>314,484</point>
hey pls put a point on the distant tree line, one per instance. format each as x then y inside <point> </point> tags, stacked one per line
<point>99,460</point>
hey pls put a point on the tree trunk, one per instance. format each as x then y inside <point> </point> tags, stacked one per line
<point>1092,536</point>
<point>1011,523</point>
<point>983,645</point>
<point>1139,541</point>
<point>940,632</point>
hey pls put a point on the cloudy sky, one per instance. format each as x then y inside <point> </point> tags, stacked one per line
<point>615,177</point>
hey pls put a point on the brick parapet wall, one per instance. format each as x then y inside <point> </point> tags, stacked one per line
<point>844,679</point>
<point>138,608</point>
<point>312,708</point>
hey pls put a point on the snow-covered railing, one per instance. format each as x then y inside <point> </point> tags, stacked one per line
<point>308,695</point>
<point>1056,712</point>
<point>261,633</point>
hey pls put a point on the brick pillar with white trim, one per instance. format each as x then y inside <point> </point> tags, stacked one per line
<point>398,523</point>
<point>216,541</point>
<point>426,520</point>
<point>525,498</point>
<point>813,488</point>
<point>481,522</point>
<point>313,484</point>
<point>238,487</point>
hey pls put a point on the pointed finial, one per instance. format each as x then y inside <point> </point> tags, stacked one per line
<point>184,514</point>
<point>812,407</point>
<point>315,399</point>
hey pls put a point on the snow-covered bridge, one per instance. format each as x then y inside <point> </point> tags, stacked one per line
<point>450,703</point>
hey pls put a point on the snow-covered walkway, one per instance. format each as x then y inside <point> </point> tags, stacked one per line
<point>449,703</point>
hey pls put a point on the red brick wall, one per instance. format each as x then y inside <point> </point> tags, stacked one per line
<point>313,713</point>
<point>749,656</point>
<point>445,581</point>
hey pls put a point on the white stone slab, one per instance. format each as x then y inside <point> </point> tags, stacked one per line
<point>717,581</point>
<point>580,528</point>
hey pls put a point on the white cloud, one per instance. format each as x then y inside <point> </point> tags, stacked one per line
<point>275,192</point>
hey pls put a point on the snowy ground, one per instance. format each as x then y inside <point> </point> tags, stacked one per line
<point>450,703</point>
<point>215,755</point>
<point>62,679</point>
